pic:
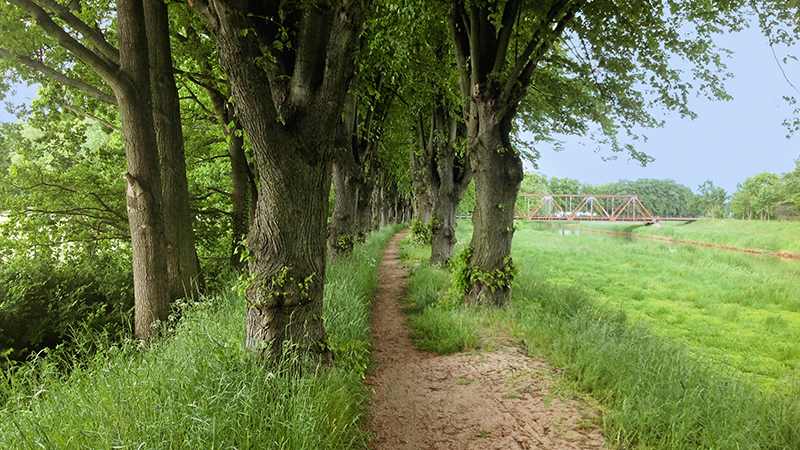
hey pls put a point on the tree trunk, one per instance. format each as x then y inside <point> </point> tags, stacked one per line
<point>240,181</point>
<point>423,202</point>
<point>183,266</point>
<point>145,215</point>
<point>241,185</point>
<point>357,147</point>
<point>290,106</point>
<point>497,169</point>
<point>443,231</point>
<point>287,244</point>
<point>448,176</point>
<point>364,222</point>
<point>342,234</point>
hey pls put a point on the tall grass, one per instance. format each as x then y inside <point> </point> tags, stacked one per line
<point>438,327</point>
<point>656,391</point>
<point>198,387</point>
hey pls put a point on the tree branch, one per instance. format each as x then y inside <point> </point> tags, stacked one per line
<point>60,77</point>
<point>109,71</point>
<point>345,32</point>
<point>525,62</point>
<point>527,73</point>
<point>475,45</point>
<point>77,111</point>
<point>460,47</point>
<point>509,15</point>
<point>95,36</point>
<point>193,96</point>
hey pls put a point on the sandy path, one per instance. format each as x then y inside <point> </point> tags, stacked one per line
<point>481,400</point>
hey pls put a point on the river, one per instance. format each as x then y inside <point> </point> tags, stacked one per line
<point>766,262</point>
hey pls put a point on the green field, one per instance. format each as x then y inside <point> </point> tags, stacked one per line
<point>768,237</point>
<point>733,307</point>
<point>683,347</point>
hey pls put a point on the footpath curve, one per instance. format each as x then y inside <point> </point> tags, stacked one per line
<point>479,400</point>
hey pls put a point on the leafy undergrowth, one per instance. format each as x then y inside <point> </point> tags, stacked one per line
<point>198,387</point>
<point>768,236</point>
<point>655,391</point>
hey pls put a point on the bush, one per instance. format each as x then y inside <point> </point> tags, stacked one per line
<point>43,300</point>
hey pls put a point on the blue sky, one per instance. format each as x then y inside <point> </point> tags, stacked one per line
<point>24,94</point>
<point>728,141</point>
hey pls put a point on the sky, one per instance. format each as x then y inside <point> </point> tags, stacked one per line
<point>23,94</point>
<point>727,143</point>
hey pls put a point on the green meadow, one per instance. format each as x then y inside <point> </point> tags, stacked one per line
<point>767,237</point>
<point>734,307</point>
<point>681,347</point>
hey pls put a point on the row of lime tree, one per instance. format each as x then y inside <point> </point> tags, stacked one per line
<point>190,136</point>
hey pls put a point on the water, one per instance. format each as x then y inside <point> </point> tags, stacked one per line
<point>764,262</point>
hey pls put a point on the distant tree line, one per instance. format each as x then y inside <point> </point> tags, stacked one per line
<point>768,196</point>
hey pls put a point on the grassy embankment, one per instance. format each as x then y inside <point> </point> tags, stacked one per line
<point>198,388</point>
<point>692,348</point>
<point>765,237</point>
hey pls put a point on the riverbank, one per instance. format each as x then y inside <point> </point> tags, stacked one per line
<point>781,239</point>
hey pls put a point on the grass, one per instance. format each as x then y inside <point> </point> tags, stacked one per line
<point>657,380</point>
<point>437,327</point>
<point>767,237</point>
<point>198,387</point>
<point>738,309</point>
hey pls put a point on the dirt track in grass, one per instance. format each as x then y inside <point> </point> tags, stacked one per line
<point>478,400</point>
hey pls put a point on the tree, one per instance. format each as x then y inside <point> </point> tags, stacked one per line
<point>439,155</point>
<point>760,194</point>
<point>711,198</point>
<point>152,144</point>
<point>660,197</point>
<point>289,66</point>
<point>615,46</point>
<point>446,173</point>
<point>353,165</point>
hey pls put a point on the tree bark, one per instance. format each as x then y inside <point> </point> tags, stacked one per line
<point>346,174</point>
<point>447,175</point>
<point>290,108</point>
<point>145,215</point>
<point>364,223</point>
<point>342,234</point>
<point>357,146</point>
<point>127,71</point>
<point>497,169</point>
<point>493,93</point>
<point>243,188</point>
<point>423,204</point>
<point>183,266</point>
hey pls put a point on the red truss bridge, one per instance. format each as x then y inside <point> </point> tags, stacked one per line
<point>582,207</point>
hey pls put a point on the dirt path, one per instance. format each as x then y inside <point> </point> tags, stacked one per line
<point>480,400</point>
